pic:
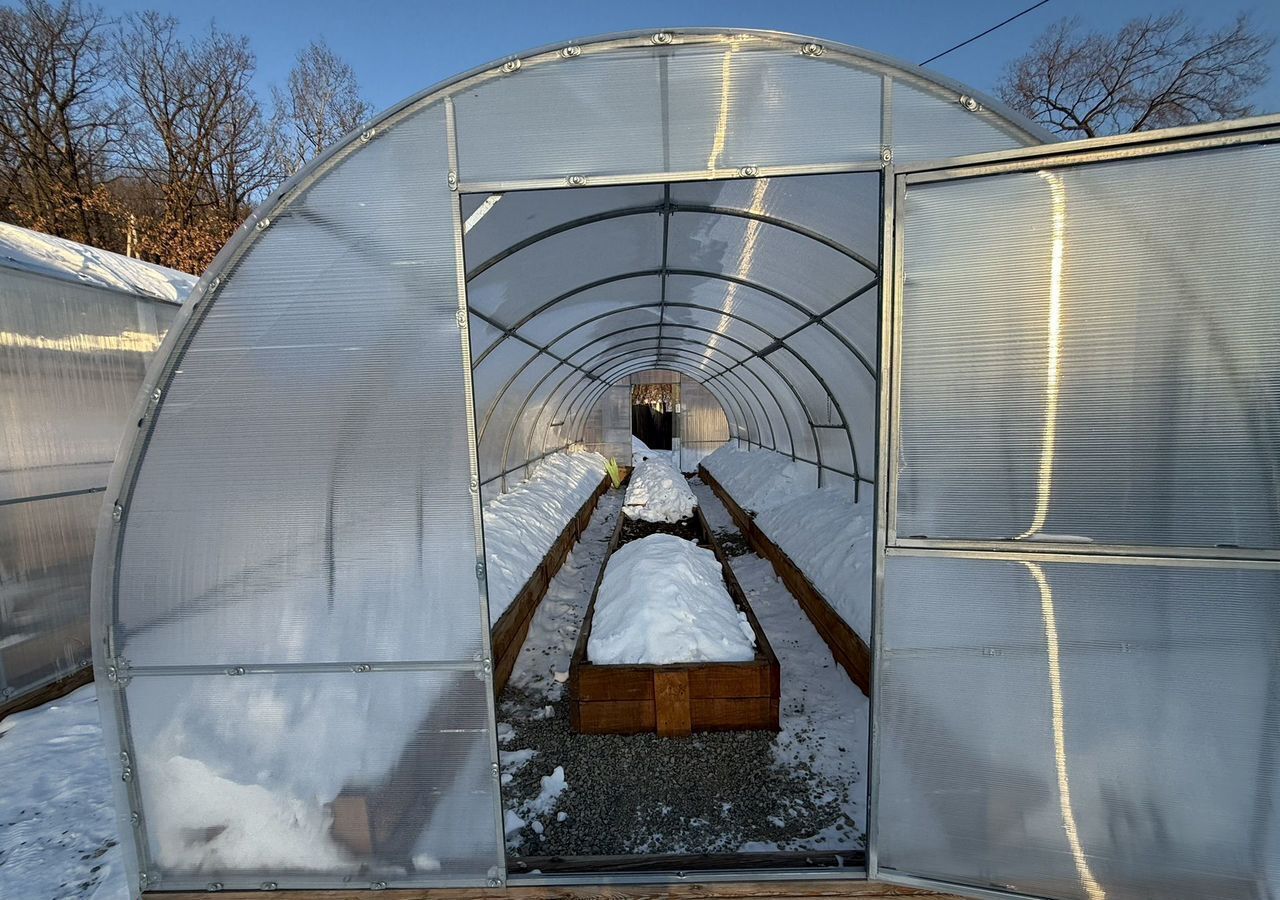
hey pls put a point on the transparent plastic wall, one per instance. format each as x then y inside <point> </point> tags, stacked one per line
<point>1079,691</point>
<point>297,616</point>
<point>72,358</point>
<point>703,424</point>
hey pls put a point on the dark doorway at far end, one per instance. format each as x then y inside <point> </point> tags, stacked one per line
<point>652,409</point>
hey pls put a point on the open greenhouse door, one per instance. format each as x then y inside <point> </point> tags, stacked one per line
<point>1077,685</point>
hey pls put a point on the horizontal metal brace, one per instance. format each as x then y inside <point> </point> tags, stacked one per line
<point>346,668</point>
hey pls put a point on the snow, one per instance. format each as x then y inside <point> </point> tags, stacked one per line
<point>663,600</point>
<point>56,257</point>
<point>640,451</point>
<point>824,531</point>
<point>829,537</point>
<point>57,814</point>
<point>759,479</point>
<point>521,525</point>
<point>657,492</point>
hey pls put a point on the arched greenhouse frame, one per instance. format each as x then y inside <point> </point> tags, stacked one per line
<point>1051,367</point>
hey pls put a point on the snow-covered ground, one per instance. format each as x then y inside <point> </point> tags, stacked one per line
<point>57,815</point>
<point>521,525</point>
<point>58,257</point>
<point>663,600</point>
<point>657,492</point>
<point>640,451</point>
<point>823,531</point>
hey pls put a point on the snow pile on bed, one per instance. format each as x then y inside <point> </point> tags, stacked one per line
<point>658,493</point>
<point>521,525</point>
<point>759,479</point>
<point>663,600</point>
<point>640,451</point>
<point>824,532</point>
<point>828,536</point>
<point>32,251</point>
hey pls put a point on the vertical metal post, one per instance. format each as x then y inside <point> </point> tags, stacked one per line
<point>498,874</point>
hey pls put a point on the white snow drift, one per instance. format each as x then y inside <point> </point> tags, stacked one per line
<point>658,493</point>
<point>663,600</point>
<point>824,532</point>
<point>521,525</point>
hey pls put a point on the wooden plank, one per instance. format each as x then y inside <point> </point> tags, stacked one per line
<point>846,645</point>
<point>671,701</point>
<point>48,693</point>
<point>615,717</point>
<point>597,683</point>
<point>685,890</point>
<point>734,714</point>
<point>753,679</point>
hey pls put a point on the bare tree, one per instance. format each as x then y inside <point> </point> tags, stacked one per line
<point>60,118</point>
<point>1155,72</point>
<point>320,104</point>
<point>198,138</point>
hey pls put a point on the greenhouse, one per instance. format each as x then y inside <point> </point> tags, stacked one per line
<point>1000,413</point>
<point>77,328</point>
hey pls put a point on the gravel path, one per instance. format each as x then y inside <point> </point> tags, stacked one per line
<point>801,789</point>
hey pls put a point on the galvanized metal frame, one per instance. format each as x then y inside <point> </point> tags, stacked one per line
<point>897,180</point>
<point>113,670</point>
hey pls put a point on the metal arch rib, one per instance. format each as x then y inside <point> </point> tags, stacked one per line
<point>667,208</point>
<point>810,315</point>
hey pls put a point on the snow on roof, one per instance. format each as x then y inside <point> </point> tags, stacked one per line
<point>44,254</point>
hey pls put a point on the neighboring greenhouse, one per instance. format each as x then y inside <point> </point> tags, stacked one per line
<point>77,328</point>
<point>1071,459</point>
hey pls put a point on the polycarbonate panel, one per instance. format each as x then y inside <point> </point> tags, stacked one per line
<point>520,216</point>
<point>497,453</point>
<point>72,358</point>
<point>714,346</point>
<point>703,424</point>
<point>552,323</point>
<point>733,106</point>
<point>541,272</point>
<point>504,131</point>
<point>741,330</point>
<point>837,452</point>
<point>760,308</point>
<point>804,271</point>
<point>46,547</point>
<point>490,376</point>
<point>852,386</point>
<point>483,336</point>
<point>335,778</point>
<point>622,324</point>
<point>716,107</point>
<point>1081,730</point>
<point>929,125</point>
<point>786,414</point>
<point>842,208</point>
<point>858,322</point>
<point>1092,353</point>
<point>309,461</point>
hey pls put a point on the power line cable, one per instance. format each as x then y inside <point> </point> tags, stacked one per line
<point>985,33</point>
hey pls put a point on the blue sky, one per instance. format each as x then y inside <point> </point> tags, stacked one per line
<point>397,48</point>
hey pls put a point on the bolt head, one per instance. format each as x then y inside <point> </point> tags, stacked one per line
<point>511,65</point>
<point>886,154</point>
<point>662,37</point>
<point>813,49</point>
<point>571,51</point>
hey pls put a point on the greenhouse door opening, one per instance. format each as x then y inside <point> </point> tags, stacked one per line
<point>653,407</point>
<point>717,339</point>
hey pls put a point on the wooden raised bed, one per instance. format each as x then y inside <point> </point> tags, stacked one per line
<point>847,646</point>
<point>509,632</point>
<point>678,698</point>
